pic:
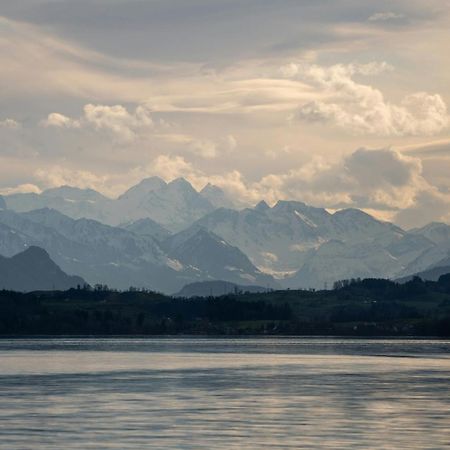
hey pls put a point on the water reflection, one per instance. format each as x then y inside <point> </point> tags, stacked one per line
<point>224,394</point>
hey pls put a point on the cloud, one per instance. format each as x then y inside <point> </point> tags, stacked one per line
<point>57,175</point>
<point>227,100</point>
<point>204,148</point>
<point>384,16</point>
<point>440,148</point>
<point>9,124</point>
<point>231,142</point>
<point>20,189</point>
<point>116,119</point>
<point>171,167</point>
<point>429,206</point>
<point>61,121</point>
<point>381,179</point>
<point>362,109</point>
<point>383,182</point>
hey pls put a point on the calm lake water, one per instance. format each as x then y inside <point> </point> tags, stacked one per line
<point>224,394</point>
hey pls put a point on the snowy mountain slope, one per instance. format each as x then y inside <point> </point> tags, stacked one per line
<point>305,246</point>
<point>175,205</point>
<point>97,252</point>
<point>292,241</point>
<point>121,258</point>
<point>210,255</point>
<point>136,194</point>
<point>216,197</point>
<point>11,241</point>
<point>268,239</point>
<point>147,227</point>
<point>104,240</point>
<point>357,226</point>
<point>427,259</point>
<point>336,260</point>
<point>74,202</point>
<point>439,233</point>
<point>281,239</point>
<point>409,248</point>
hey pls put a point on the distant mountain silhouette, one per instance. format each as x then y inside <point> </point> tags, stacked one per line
<point>34,270</point>
<point>216,288</point>
<point>121,258</point>
<point>174,205</point>
<point>427,275</point>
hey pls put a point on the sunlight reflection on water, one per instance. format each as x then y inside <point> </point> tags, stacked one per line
<point>224,394</point>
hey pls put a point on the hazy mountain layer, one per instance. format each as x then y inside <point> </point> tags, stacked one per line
<point>310,247</point>
<point>174,205</point>
<point>301,245</point>
<point>118,257</point>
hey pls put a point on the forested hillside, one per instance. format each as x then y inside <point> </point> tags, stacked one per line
<point>369,307</point>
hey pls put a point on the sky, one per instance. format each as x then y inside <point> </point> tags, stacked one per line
<point>336,103</point>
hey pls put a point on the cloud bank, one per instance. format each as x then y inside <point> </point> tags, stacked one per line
<point>376,180</point>
<point>363,109</point>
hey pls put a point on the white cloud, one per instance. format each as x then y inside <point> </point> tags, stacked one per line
<point>384,16</point>
<point>372,179</point>
<point>231,142</point>
<point>430,205</point>
<point>383,179</point>
<point>116,119</point>
<point>171,167</point>
<point>57,175</point>
<point>20,189</point>
<point>383,182</point>
<point>10,124</point>
<point>204,148</point>
<point>362,109</point>
<point>59,120</point>
<point>277,153</point>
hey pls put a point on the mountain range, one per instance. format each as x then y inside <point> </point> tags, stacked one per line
<point>162,236</point>
<point>173,205</point>
<point>121,258</point>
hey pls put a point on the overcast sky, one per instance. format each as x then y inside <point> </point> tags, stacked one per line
<point>337,103</point>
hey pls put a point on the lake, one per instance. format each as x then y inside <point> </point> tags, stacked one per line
<point>203,393</point>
